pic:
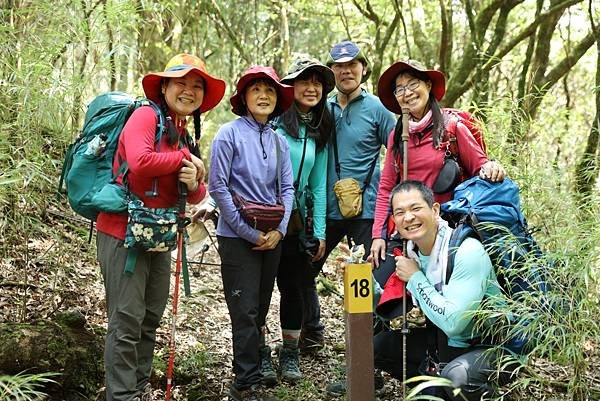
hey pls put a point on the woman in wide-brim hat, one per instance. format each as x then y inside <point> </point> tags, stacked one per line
<point>136,302</point>
<point>307,127</point>
<point>408,84</point>
<point>244,162</point>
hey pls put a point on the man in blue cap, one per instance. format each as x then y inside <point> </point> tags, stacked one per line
<point>362,126</point>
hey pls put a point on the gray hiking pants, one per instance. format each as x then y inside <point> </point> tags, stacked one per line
<point>135,305</point>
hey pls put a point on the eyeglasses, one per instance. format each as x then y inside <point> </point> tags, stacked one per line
<point>412,85</point>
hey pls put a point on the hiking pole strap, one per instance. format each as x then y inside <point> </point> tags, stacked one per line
<point>184,270</point>
<point>182,224</point>
<point>132,256</point>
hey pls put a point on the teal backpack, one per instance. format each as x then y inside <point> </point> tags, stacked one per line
<point>87,169</point>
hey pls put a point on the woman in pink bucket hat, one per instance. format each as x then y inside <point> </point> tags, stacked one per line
<point>136,301</point>
<point>250,161</point>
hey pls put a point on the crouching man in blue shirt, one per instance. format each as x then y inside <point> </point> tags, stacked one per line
<point>447,346</point>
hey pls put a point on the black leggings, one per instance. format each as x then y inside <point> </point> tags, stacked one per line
<point>293,275</point>
<point>470,369</point>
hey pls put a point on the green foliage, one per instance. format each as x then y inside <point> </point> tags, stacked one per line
<point>58,55</point>
<point>24,386</point>
<point>298,391</point>
<point>188,366</point>
<point>418,384</point>
<point>563,323</point>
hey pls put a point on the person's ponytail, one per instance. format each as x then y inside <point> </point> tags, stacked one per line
<point>195,145</point>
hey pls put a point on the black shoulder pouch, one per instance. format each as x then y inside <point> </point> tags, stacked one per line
<point>448,177</point>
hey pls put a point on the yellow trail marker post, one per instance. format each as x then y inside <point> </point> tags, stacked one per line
<point>358,307</point>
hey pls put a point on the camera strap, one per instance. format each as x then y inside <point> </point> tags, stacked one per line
<point>299,175</point>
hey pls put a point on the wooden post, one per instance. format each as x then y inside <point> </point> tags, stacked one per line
<point>358,306</point>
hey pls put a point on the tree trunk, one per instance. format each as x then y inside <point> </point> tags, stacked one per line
<point>464,79</point>
<point>446,36</point>
<point>586,172</point>
<point>285,38</point>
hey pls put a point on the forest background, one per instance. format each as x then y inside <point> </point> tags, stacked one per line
<point>529,68</point>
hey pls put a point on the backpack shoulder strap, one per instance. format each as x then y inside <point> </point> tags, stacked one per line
<point>450,133</point>
<point>160,125</point>
<point>462,231</point>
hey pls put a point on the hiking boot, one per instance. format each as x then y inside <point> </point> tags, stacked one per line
<point>311,342</point>
<point>265,364</point>
<point>338,388</point>
<point>289,365</point>
<point>253,393</point>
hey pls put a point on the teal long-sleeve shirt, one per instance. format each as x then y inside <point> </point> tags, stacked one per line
<point>362,127</point>
<point>472,280</point>
<point>313,177</point>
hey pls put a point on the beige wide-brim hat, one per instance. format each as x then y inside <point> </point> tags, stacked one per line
<point>306,63</point>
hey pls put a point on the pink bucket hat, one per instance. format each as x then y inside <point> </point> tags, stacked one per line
<point>285,93</point>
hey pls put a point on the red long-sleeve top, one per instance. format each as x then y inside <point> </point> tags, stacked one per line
<point>424,164</point>
<point>145,163</point>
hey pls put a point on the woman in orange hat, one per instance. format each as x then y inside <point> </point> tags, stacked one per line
<point>136,302</point>
<point>408,84</point>
<point>250,161</point>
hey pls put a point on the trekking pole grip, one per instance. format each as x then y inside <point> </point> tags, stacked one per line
<point>181,202</point>
<point>405,114</point>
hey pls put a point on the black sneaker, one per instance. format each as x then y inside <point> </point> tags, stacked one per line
<point>265,364</point>
<point>289,365</point>
<point>338,388</point>
<point>253,393</point>
<point>311,342</point>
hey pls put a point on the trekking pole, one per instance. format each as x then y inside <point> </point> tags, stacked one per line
<point>404,330</point>
<point>181,224</point>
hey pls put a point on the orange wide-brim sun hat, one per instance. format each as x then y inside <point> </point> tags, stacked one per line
<point>285,93</point>
<point>179,66</point>
<point>387,82</point>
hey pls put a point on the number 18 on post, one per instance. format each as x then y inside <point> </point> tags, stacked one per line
<point>358,294</point>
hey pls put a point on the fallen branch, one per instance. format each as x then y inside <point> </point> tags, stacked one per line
<point>17,284</point>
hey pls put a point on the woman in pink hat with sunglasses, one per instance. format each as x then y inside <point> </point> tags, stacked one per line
<point>250,161</point>
<point>136,301</point>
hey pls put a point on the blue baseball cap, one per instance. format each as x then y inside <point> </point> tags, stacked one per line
<point>347,51</point>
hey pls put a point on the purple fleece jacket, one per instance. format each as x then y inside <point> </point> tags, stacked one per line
<point>243,159</point>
